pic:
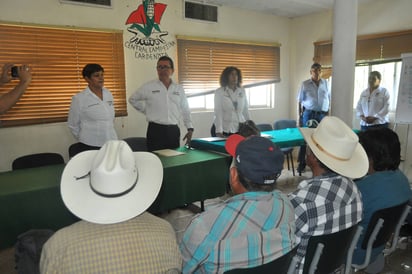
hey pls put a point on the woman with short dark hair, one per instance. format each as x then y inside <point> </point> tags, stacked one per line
<point>91,115</point>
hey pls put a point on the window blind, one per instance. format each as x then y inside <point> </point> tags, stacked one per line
<point>57,57</point>
<point>383,46</point>
<point>200,63</point>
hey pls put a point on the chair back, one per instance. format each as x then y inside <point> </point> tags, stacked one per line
<point>37,160</point>
<point>279,265</point>
<point>136,143</point>
<point>335,248</point>
<point>390,217</point>
<point>285,123</point>
<point>264,127</point>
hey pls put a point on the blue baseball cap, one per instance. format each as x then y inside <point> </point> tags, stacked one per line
<point>257,158</point>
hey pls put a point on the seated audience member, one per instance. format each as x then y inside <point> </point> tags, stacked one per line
<point>110,190</point>
<point>329,201</point>
<point>385,185</point>
<point>253,227</point>
<point>248,128</point>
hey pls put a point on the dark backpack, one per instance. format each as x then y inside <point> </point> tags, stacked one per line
<point>27,250</point>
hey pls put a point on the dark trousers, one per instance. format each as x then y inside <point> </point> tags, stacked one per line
<point>306,116</point>
<point>80,147</point>
<point>363,128</point>
<point>162,136</point>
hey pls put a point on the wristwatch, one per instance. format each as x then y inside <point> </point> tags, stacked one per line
<point>191,129</point>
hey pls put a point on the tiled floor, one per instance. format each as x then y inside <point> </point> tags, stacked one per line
<point>398,262</point>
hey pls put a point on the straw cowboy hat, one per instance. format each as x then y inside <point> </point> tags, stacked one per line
<point>337,146</point>
<point>111,185</point>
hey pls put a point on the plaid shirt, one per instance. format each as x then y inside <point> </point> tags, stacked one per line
<point>323,205</point>
<point>247,230</point>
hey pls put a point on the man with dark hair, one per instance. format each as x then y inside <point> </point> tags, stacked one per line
<point>329,201</point>
<point>385,185</point>
<point>373,104</point>
<point>9,99</point>
<point>313,104</point>
<point>163,102</point>
<point>253,227</point>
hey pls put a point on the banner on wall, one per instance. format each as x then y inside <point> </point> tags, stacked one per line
<point>147,39</point>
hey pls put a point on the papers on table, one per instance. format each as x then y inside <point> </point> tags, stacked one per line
<point>267,136</point>
<point>212,139</point>
<point>168,152</point>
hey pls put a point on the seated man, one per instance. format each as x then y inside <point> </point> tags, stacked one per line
<point>385,185</point>
<point>255,226</point>
<point>110,189</point>
<point>330,201</point>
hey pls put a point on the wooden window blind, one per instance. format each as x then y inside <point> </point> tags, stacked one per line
<point>200,63</point>
<point>376,47</point>
<point>57,57</point>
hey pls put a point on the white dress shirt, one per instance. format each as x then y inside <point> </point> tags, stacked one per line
<point>374,104</point>
<point>91,119</point>
<point>161,105</point>
<point>231,108</point>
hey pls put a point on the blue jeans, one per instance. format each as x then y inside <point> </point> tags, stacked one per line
<point>306,116</point>
<point>363,128</point>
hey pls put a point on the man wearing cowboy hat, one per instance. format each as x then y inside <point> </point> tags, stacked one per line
<point>110,190</point>
<point>255,226</point>
<point>329,201</point>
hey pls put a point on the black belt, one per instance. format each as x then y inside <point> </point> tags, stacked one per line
<point>317,112</point>
<point>160,125</point>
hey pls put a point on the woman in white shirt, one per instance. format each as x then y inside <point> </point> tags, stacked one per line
<point>231,106</point>
<point>91,115</point>
<point>373,104</point>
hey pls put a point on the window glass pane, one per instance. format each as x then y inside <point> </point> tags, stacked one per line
<point>361,82</point>
<point>260,96</point>
<point>197,102</point>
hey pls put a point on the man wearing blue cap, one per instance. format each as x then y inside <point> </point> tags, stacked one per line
<point>253,227</point>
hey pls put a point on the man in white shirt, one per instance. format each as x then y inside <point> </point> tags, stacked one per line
<point>163,102</point>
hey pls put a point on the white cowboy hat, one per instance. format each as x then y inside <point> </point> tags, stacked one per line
<point>111,185</point>
<point>337,146</point>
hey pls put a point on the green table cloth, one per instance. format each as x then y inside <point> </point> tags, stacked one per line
<point>289,137</point>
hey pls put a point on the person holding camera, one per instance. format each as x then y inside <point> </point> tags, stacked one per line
<point>9,99</point>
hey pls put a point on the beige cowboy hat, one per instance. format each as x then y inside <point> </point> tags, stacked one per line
<point>111,185</point>
<point>337,146</point>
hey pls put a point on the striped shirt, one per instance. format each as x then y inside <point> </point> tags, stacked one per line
<point>247,230</point>
<point>323,205</point>
<point>144,244</point>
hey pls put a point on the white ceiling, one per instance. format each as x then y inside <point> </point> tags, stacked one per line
<point>284,8</point>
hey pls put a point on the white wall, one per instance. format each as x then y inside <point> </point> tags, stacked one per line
<point>375,17</point>
<point>295,35</point>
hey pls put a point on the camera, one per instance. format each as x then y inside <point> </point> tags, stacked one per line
<point>14,71</point>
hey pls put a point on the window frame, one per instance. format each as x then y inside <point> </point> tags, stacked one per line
<point>57,56</point>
